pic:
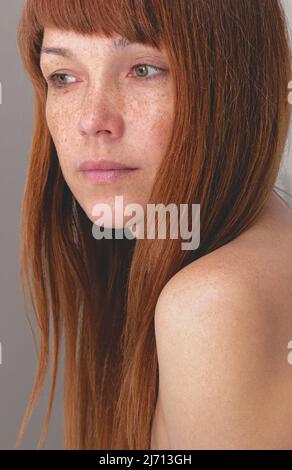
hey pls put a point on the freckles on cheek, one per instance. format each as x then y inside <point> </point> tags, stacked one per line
<point>159,130</point>
<point>152,117</point>
<point>57,121</point>
<point>61,114</point>
<point>52,117</point>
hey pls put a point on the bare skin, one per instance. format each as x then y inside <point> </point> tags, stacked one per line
<point>262,255</point>
<point>100,107</point>
<point>108,111</point>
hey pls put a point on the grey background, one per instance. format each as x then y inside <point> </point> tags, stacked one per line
<point>18,353</point>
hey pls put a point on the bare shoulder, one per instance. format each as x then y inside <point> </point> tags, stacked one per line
<point>222,329</point>
<point>255,267</point>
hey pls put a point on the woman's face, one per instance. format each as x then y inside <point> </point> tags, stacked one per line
<point>108,103</point>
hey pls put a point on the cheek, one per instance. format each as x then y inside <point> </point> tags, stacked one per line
<point>53,121</point>
<point>148,124</point>
<point>152,122</point>
<point>161,128</point>
<point>156,139</point>
<point>60,126</point>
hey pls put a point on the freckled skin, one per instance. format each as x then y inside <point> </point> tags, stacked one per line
<point>108,111</point>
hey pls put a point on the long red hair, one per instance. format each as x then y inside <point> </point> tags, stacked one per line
<point>230,62</point>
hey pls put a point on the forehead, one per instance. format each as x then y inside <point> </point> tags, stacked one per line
<point>55,38</point>
<point>54,35</point>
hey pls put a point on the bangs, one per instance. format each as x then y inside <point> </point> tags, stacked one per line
<point>136,20</point>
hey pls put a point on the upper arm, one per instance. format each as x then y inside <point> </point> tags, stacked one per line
<point>216,367</point>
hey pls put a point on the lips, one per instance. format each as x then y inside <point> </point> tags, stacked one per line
<point>94,165</point>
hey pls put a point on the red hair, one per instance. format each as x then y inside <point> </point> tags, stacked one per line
<point>230,62</point>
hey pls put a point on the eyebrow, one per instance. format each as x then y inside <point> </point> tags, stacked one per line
<point>120,43</point>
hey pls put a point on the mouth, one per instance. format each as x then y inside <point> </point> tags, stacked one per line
<point>107,176</point>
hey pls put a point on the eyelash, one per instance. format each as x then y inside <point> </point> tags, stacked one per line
<point>54,77</point>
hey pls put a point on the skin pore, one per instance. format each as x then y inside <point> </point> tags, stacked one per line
<point>105,104</point>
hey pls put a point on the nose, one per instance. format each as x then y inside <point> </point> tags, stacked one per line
<point>100,113</point>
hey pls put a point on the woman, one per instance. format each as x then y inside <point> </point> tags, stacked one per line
<point>192,97</point>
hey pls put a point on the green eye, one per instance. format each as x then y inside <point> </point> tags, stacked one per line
<point>63,80</point>
<point>144,67</point>
<point>59,80</point>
